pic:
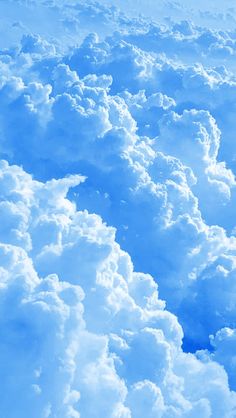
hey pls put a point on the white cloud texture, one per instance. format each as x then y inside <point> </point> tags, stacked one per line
<point>76,320</point>
<point>128,139</point>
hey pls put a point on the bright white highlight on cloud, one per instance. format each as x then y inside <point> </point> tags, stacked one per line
<point>117,156</point>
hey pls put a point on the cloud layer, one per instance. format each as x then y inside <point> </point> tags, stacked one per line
<point>132,129</point>
<point>83,334</point>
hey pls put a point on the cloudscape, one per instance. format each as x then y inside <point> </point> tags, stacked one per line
<point>117,209</point>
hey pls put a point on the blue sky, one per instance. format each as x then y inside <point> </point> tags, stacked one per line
<point>117,205</point>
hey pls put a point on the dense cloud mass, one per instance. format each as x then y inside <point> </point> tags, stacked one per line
<point>117,155</point>
<point>93,337</point>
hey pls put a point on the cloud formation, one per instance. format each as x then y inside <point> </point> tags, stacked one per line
<point>77,319</point>
<point>131,129</point>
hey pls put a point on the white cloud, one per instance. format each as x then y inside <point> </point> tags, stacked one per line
<point>147,116</point>
<point>82,333</point>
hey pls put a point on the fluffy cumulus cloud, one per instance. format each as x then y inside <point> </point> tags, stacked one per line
<point>126,132</point>
<point>82,333</point>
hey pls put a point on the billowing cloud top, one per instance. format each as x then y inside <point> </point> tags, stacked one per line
<point>117,156</point>
<point>82,333</point>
